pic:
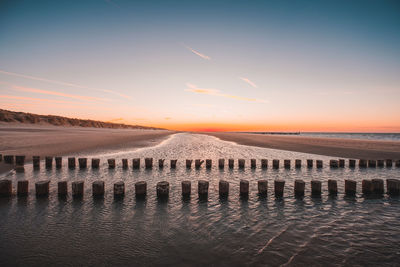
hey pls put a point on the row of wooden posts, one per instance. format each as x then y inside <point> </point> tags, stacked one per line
<point>148,162</point>
<point>374,186</point>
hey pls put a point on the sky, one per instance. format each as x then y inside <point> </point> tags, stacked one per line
<point>205,65</point>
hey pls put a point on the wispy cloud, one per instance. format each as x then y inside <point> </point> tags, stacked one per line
<point>63,83</point>
<point>194,89</point>
<point>197,52</point>
<point>246,80</point>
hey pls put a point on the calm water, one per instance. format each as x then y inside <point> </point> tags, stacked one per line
<point>257,231</point>
<point>366,136</point>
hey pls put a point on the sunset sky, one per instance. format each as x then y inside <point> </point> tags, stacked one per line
<point>205,65</point>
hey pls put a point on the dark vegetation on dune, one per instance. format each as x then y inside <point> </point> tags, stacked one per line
<point>29,118</point>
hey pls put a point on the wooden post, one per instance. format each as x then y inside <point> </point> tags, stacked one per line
<point>198,163</point>
<point>125,164</point>
<point>62,188</point>
<point>5,188</point>
<point>393,187</point>
<point>148,163</point>
<point>136,163</point>
<point>264,163</point>
<point>161,163</point>
<point>20,160</point>
<point>332,187</point>
<point>315,188</point>
<point>98,188</point>
<point>253,163</point>
<point>244,188</point>
<point>173,163</point>
<point>372,163</point>
<point>275,163</point>
<point>49,162</point>
<point>262,187</point>
<point>279,186</point>
<point>221,163</point>
<point>366,187</point>
<point>71,163</point>
<point>378,186</point>
<point>333,163</point>
<point>241,163</point>
<point>189,163</point>
<point>42,188</point>
<point>350,187</point>
<point>58,162</point>
<point>286,163</point>
<point>95,163</point>
<point>119,189</point>
<point>111,163</point>
<point>352,163</point>
<point>23,188</point>
<point>299,186</point>
<point>380,163</point>
<point>162,189</point>
<point>77,189</point>
<point>297,163</point>
<point>36,162</point>
<point>208,163</point>
<point>140,189</point>
<point>82,163</point>
<point>231,163</point>
<point>389,163</point>
<point>362,163</point>
<point>397,163</point>
<point>9,159</point>
<point>310,163</point>
<point>1,157</point>
<point>202,188</point>
<point>186,188</point>
<point>341,163</point>
<point>319,163</point>
<point>223,188</point>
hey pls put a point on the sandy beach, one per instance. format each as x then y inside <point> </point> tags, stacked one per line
<point>347,148</point>
<point>30,140</point>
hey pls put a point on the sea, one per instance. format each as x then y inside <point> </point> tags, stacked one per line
<point>233,231</point>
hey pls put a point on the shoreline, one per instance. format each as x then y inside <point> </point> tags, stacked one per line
<point>334,147</point>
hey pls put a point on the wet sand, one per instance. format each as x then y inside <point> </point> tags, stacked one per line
<point>58,141</point>
<point>335,147</point>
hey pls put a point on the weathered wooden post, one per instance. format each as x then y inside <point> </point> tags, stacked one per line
<point>241,163</point>
<point>350,187</point>
<point>253,163</point>
<point>231,163</point>
<point>62,188</point>
<point>173,163</point>
<point>148,163</point>
<point>77,189</point>
<point>341,163</point>
<point>162,189</point>
<point>319,163</point>
<point>23,188</point>
<point>332,187</point>
<point>333,163</point>
<point>119,189</point>
<point>95,163</point>
<point>5,188</point>
<point>49,162</point>
<point>186,188</point>
<point>286,163</point>
<point>9,159</point>
<point>297,163</point>
<point>36,162</point>
<point>136,163</point>
<point>198,163</point>
<point>202,188</point>
<point>223,188</point>
<point>372,163</point>
<point>378,186</point>
<point>264,163</point>
<point>352,163</point>
<point>279,188</point>
<point>161,163</point>
<point>140,189</point>
<point>189,163</point>
<point>397,163</point>
<point>221,163</point>
<point>244,188</point>
<point>58,162</point>
<point>1,157</point>
<point>82,163</point>
<point>315,188</point>
<point>299,186</point>
<point>275,163</point>
<point>42,188</point>
<point>125,164</point>
<point>389,163</point>
<point>20,160</point>
<point>71,163</point>
<point>380,163</point>
<point>98,188</point>
<point>310,163</point>
<point>262,187</point>
<point>111,163</point>
<point>366,187</point>
<point>362,163</point>
<point>393,187</point>
<point>208,163</point>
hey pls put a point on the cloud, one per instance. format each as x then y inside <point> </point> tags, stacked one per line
<point>246,80</point>
<point>197,53</point>
<point>62,83</point>
<point>194,89</point>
